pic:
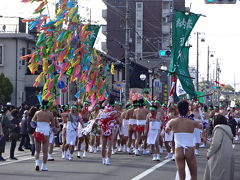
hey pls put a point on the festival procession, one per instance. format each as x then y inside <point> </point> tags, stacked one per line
<point>137,109</point>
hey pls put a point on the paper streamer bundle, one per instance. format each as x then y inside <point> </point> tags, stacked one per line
<point>65,49</point>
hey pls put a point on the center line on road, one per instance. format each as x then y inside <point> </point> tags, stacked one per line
<point>150,170</point>
<point>233,146</point>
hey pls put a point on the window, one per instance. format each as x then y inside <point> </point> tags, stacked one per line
<point>23,54</point>
<point>1,55</point>
<point>139,23</point>
<point>139,5</point>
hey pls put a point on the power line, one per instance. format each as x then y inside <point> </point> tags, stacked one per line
<point>119,13</point>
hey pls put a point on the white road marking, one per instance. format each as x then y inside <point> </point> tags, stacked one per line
<point>233,146</point>
<point>150,170</point>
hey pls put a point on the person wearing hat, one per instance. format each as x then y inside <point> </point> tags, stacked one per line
<point>71,132</point>
<point>153,128</point>
<point>132,123</point>
<point>43,118</point>
<point>23,132</point>
<point>6,125</point>
<point>14,133</point>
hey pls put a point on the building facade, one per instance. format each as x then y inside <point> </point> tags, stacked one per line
<point>16,41</point>
<point>150,26</point>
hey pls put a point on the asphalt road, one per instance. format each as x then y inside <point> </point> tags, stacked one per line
<point>123,167</point>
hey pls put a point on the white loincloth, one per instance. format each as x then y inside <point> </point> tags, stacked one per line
<point>168,137</point>
<point>51,137</point>
<point>141,122</point>
<point>43,127</point>
<point>197,136</point>
<point>124,128</point>
<point>71,136</point>
<point>132,121</point>
<point>71,133</point>
<point>153,133</point>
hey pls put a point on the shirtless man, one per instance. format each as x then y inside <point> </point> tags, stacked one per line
<point>153,129</point>
<point>96,130</point>
<point>162,113</point>
<point>124,128</point>
<point>183,129</point>
<point>116,129</point>
<point>64,116</point>
<point>132,123</point>
<point>53,130</point>
<point>197,133</point>
<point>141,115</point>
<point>71,135</point>
<point>41,134</point>
<point>85,116</point>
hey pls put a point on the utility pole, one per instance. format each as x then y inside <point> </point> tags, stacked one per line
<point>127,60</point>
<point>197,59</point>
<point>208,54</point>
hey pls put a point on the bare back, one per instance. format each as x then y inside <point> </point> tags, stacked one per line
<point>141,113</point>
<point>181,125</point>
<point>129,114</point>
<point>43,116</point>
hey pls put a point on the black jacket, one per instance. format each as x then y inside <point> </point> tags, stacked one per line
<point>16,123</point>
<point>6,124</point>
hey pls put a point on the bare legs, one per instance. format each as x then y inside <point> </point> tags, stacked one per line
<point>188,155</point>
<point>106,149</point>
<point>44,145</point>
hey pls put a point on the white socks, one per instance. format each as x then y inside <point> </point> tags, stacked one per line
<point>37,162</point>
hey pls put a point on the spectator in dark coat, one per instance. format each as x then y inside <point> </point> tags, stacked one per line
<point>25,141</point>
<point>6,125</point>
<point>14,133</point>
<point>232,123</point>
<point>30,129</point>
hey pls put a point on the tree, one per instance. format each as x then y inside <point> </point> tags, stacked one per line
<point>6,89</point>
<point>228,88</point>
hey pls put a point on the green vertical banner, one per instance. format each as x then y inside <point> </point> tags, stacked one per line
<point>200,96</point>
<point>183,73</point>
<point>182,26</point>
<point>94,29</point>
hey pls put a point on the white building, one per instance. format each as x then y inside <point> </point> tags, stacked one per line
<point>14,43</point>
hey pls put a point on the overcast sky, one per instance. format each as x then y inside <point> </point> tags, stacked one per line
<point>221,28</point>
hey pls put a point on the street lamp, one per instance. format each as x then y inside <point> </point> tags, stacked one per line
<point>143,77</point>
<point>163,68</point>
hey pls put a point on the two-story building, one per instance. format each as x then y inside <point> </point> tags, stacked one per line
<point>17,41</point>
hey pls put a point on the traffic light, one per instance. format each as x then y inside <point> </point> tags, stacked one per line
<point>220,1</point>
<point>164,53</point>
